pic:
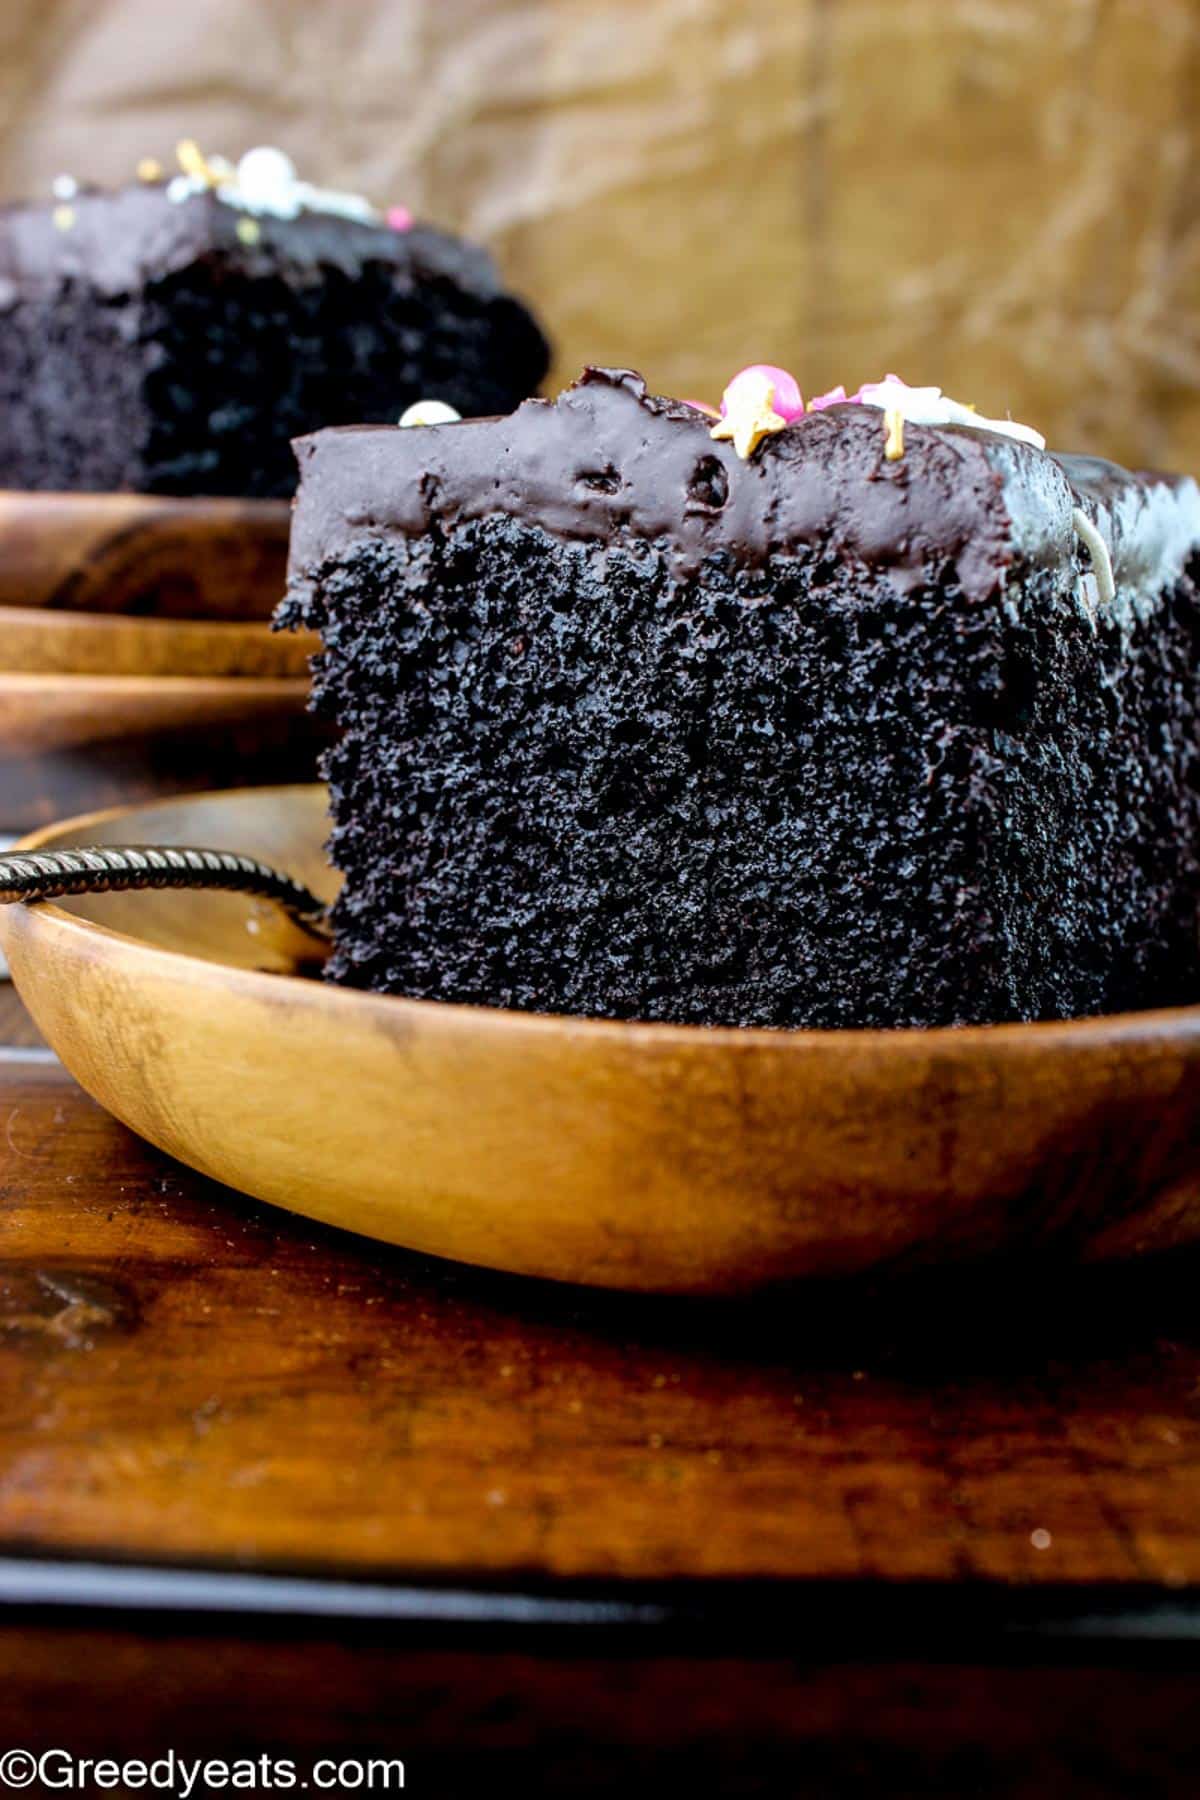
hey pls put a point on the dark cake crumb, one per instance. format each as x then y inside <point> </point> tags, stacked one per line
<point>630,728</point>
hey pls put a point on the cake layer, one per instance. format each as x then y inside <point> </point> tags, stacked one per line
<point>633,727</point>
<point>177,345</point>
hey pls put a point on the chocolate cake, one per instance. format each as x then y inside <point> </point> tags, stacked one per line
<point>172,337</point>
<point>849,721</point>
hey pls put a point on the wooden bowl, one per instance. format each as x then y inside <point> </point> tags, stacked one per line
<point>42,642</point>
<point>146,554</point>
<point>69,742</point>
<point>642,1156</point>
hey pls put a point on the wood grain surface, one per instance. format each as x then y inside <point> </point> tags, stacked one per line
<point>17,1029</point>
<point>34,642</point>
<point>143,554</point>
<point>190,1376</point>
<point>72,743</point>
<point>572,1720</point>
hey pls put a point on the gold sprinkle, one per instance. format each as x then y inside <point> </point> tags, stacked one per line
<point>191,158</point>
<point>249,230</point>
<point>750,415</point>
<point>64,217</point>
<point>149,170</point>
<point>893,449</point>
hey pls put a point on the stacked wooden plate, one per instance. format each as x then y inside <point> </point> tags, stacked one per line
<point>136,655</point>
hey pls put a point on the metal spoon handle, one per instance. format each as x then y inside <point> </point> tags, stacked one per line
<point>110,869</point>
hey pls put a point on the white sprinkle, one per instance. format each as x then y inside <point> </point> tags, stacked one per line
<point>64,187</point>
<point>429,412</point>
<point>1040,1539</point>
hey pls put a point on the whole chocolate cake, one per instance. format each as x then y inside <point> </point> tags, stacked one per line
<point>868,713</point>
<point>173,336</point>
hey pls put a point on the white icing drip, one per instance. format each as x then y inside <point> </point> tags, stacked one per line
<point>1097,549</point>
<point>1148,534</point>
<point>929,406</point>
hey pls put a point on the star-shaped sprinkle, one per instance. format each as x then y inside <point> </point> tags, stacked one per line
<point>748,413</point>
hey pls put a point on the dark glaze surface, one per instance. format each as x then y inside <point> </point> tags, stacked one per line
<point>606,459</point>
<point>121,240</point>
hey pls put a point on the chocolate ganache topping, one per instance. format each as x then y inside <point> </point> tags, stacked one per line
<point>116,242</point>
<point>607,460</point>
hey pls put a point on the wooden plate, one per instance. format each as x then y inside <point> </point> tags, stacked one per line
<point>37,641</point>
<point>640,1156</point>
<point>69,742</point>
<point>145,554</point>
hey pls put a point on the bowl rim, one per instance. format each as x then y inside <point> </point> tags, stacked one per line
<point>106,500</point>
<point>1101,1031</point>
<point>62,618</point>
<point>16,682</point>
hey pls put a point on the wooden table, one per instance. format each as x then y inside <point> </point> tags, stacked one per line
<point>265,1487</point>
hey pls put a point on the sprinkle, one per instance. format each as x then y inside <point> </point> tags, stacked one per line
<point>787,399</point>
<point>835,397</point>
<point>1040,1539</point>
<point>893,449</point>
<point>399,218</point>
<point>64,217</point>
<point>265,182</point>
<point>249,231</point>
<point>191,159</point>
<point>181,187</point>
<point>929,406</point>
<point>702,406</point>
<point>149,169</point>
<point>64,187</point>
<point>748,411</point>
<point>429,412</point>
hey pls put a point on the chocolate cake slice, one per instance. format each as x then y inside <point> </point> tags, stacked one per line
<point>851,721</point>
<point>172,337</point>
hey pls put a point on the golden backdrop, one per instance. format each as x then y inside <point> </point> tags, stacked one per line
<point>1002,196</point>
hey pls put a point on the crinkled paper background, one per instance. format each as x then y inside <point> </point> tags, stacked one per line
<point>998,195</point>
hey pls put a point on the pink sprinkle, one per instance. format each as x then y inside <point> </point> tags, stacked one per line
<point>869,390</point>
<point>788,401</point>
<point>835,397</point>
<point>399,218</point>
<point>704,407</point>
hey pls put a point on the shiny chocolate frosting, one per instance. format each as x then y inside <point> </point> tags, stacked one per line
<point>606,460</point>
<point>118,241</point>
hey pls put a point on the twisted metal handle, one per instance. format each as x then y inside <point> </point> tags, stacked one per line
<point>104,869</point>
